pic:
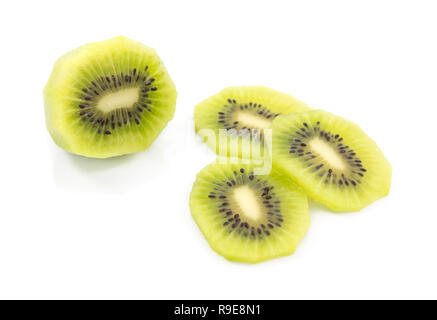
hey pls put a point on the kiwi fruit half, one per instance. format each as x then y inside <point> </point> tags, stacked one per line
<point>247,217</point>
<point>335,162</point>
<point>242,113</point>
<point>108,98</point>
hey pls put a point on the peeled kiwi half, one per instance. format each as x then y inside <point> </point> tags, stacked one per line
<point>242,114</point>
<point>335,162</point>
<point>247,217</point>
<point>108,98</point>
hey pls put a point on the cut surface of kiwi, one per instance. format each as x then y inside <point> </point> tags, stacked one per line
<point>247,217</point>
<point>242,112</point>
<point>335,162</point>
<point>108,98</point>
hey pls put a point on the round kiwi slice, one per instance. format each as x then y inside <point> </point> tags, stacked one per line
<point>108,98</point>
<point>331,158</point>
<point>243,112</point>
<point>247,217</point>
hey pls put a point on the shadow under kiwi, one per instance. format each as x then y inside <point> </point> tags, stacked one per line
<point>114,175</point>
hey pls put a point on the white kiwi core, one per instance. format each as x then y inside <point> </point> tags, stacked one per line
<point>123,98</point>
<point>327,153</point>
<point>251,120</point>
<point>248,202</point>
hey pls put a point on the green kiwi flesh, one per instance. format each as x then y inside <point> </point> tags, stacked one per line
<point>247,217</point>
<point>108,98</point>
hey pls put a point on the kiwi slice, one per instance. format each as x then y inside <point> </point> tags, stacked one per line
<point>108,98</point>
<point>243,113</point>
<point>247,217</point>
<point>331,158</point>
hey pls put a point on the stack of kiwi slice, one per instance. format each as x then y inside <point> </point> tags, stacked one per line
<point>251,218</point>
<point>114,97</point>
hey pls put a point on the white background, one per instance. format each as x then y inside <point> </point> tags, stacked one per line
<point>72,227</point>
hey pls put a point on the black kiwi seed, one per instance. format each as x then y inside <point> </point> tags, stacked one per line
<point>108,122</point>
<point>299,148</point>
<point>235,220</point>
<point>226,119</point>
